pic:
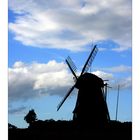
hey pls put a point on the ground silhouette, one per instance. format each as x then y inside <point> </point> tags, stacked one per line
<point>63,129</point>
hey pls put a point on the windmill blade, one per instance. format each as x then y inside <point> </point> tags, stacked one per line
<point>71,66</point>
<point>89,60</point>
<point>66,96</point>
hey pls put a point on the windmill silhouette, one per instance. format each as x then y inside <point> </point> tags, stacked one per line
<point>91,107</point>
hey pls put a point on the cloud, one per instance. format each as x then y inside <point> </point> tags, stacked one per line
<point>28,81</point>
<point>103,75</point>
<point>72,24</point>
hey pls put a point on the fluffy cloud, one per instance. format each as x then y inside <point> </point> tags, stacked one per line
<point>71,24</point>
<point>103,75</point>
<point>28,81</point>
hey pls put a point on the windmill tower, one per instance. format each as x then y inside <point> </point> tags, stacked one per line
<point>91,108</point>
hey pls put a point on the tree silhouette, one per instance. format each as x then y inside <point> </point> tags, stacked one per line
<point>31,117</point>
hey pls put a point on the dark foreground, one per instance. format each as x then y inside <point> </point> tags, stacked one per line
<point>64,130</point>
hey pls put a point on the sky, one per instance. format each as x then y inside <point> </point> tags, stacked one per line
<point>41,34</point>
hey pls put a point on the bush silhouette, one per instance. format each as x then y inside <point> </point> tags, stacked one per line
<point>31,117</point>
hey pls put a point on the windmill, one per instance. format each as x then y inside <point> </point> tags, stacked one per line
<point>90,98</point>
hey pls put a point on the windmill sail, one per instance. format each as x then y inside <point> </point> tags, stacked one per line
<point>71,64</point>
<point>89,60</point>
<point>72,67</point>
<point>66,96</point>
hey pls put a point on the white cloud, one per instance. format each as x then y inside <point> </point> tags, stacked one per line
<point>71,24</point>
<point>103,75</point>
<point>28,81</point>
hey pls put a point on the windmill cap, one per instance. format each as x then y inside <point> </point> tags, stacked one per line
<point>89,80</point>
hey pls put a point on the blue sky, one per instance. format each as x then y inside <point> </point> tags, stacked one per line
<point>40,38</point>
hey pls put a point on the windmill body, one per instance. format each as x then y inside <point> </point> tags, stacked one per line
<point>91,108</point>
